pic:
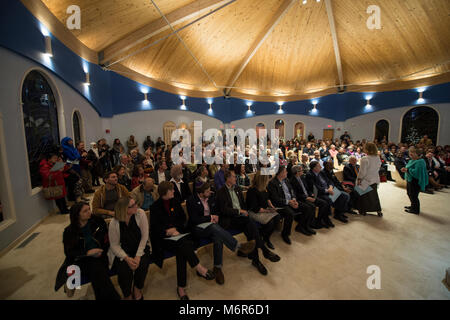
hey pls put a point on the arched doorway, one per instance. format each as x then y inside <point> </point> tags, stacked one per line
<point>40,117</point>
<point>418,122</point>
<point>259,126</point>
<point>77,126</point>
<point>299,130</point>
<point>382,130</point>
<point>279,124</point>
<point>168,128</point>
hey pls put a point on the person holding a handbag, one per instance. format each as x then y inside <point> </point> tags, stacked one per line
<point>53,185</point>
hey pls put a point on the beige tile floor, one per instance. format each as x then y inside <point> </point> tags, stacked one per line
<point>412,252</point>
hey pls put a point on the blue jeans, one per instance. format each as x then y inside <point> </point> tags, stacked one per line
<point>220,237</point>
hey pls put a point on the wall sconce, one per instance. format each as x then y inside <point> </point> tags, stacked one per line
<point>48,46</point>
<point>249,104</point>
<point>314,109</point>
<point>368,105</point>
<point>183,106</point>
<point>210,101</point>
<point>421,91</point>
<point>88,80</point>
<point>280,111</point>
<point>145,96</point>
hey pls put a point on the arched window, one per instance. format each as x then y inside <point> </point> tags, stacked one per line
<point>299,130</point>
<point>418,122</point>
<point>382,130</point>
<point>40,117</point>
<point>279,124</point>
<point>77,125</point>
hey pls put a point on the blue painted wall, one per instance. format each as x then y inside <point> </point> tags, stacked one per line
<point>111,93</point>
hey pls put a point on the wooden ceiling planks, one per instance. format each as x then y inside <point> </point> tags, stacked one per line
<point>222,40</point>
<point>169,61</point>
<point>298,56</point>
<point>159,25</point>
<point>103,22</point>
<point>413,36</point>
<point>295,61</point>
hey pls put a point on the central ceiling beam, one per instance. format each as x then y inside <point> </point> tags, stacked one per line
<point>335,43</point>
<point>157,26</point>
<point>284,8</point>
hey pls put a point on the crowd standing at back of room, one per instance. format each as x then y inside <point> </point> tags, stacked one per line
<point>153,205</point>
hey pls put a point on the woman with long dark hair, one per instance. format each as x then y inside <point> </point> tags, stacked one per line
<point>86,245</point>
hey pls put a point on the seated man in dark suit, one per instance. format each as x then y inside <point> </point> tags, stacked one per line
<point>161,173</point>
<point>232,215</point>
<point>201,209</point>
<point>316,177</point>
<point>351,170</point>
<point>282,196</point>
<point>305,196</point>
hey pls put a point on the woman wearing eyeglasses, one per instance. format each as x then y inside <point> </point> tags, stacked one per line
<point>129,247</point>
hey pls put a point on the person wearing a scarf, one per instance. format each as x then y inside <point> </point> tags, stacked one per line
<point>416,176</point>
<point>71,153</point>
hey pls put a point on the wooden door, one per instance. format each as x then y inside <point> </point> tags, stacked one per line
<point>328,134</point>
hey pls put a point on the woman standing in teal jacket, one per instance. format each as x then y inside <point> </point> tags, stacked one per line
<point>417,179</point>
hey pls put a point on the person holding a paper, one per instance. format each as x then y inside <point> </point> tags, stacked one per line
<point>305,195</point>
<point>130,250</point>
<point>169,232</point>
<point>341,186</point>
<point>368,176</point>
<point>233,215</point>
<point>282,196</point>
<point>327,191</point>
<point>53,171</point>
<point>203,221</point>
<point>261,208</point>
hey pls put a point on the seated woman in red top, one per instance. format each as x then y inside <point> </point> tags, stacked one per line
<point>168,220</point>
<point>55,178</point>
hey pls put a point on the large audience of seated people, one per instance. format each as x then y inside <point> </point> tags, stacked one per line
<point>148,206</point>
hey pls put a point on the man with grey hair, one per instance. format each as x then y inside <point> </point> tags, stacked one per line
<point>305,194</point>
<point>317,158</point>
<point>351,170</point>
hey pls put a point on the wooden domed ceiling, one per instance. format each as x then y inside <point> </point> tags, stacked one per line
<point>267,50</point>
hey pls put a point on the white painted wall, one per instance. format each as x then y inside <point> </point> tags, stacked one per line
<point>364,126</point>
<point>150,123</point>
<point>312,124</point>
<point>30,206</point>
